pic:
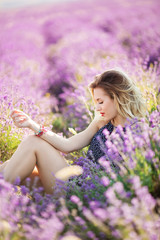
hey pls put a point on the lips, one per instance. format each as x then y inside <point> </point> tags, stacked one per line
<point>102,113</point>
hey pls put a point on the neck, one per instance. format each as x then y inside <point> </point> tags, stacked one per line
<point>119,120</point>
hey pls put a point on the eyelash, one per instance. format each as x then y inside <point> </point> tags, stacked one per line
<point>101,103</point>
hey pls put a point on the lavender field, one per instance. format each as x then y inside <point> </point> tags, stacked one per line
<point>48,56</point>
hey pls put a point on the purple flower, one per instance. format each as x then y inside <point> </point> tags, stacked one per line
<point>118,187</point>
<point>74,199</point>
<point>24,190</point>
<point>149,154</point>
<point>136,182</point>
<point>100,213</point>
<point>90,234</point>
<point>105,181</point>
<point>17,181</point>
<point>109,194</point>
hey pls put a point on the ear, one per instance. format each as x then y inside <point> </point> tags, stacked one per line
<point>115,101</point>
<point>112,95</point>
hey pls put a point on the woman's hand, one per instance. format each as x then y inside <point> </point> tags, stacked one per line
<point>21,120</point>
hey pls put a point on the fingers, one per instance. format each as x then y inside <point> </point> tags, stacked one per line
<point>16,117</point>
<point>17,113</point>
<point>20,123</point>
<point>20,119</point>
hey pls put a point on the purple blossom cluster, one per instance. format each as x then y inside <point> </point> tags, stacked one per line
<point>116,201</point>
<point>48,57</point>
<point>19,215</point>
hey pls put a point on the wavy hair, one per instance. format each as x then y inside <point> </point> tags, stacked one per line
<point>127,96</point>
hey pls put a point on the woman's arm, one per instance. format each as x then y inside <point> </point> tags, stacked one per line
<point>66,145</point>
<point>71,144</point>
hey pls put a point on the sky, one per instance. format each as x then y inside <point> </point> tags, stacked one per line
<point>9,4</point>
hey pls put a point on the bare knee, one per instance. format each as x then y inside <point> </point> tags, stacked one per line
<point>36,144</point>
<point>30,139</point>
<point>32,142</point>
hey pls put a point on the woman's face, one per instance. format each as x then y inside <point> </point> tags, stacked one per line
<point>104,104</point>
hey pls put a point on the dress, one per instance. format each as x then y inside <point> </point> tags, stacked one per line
<point>97,143</point>
<point>97,147</point>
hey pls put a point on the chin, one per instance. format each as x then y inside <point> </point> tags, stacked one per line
<point>103,118</point>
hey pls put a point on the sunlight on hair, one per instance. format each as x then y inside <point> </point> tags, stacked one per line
<point>128,98</point>
<point>68,172</point>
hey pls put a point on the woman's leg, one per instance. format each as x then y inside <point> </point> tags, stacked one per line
<point>32,176</point>
<point>3,165</point>
<point>31,152</point>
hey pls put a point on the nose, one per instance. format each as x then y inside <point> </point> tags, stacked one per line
<point>97,107</point>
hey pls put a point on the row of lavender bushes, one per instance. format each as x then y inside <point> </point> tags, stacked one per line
<point>48,57</point>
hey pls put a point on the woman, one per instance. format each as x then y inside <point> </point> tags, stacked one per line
<point>116,99</point>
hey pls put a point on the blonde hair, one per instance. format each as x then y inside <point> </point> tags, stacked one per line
<point>127,96</point>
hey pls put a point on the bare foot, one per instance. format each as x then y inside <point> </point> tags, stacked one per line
<point>67,172</point>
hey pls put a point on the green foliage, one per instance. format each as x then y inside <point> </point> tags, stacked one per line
<point>8,143</point>
<point>59,124</point>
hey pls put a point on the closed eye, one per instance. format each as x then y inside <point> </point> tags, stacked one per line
<point>100,102</point>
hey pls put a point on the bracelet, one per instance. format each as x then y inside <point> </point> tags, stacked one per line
<point>41,131</point>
